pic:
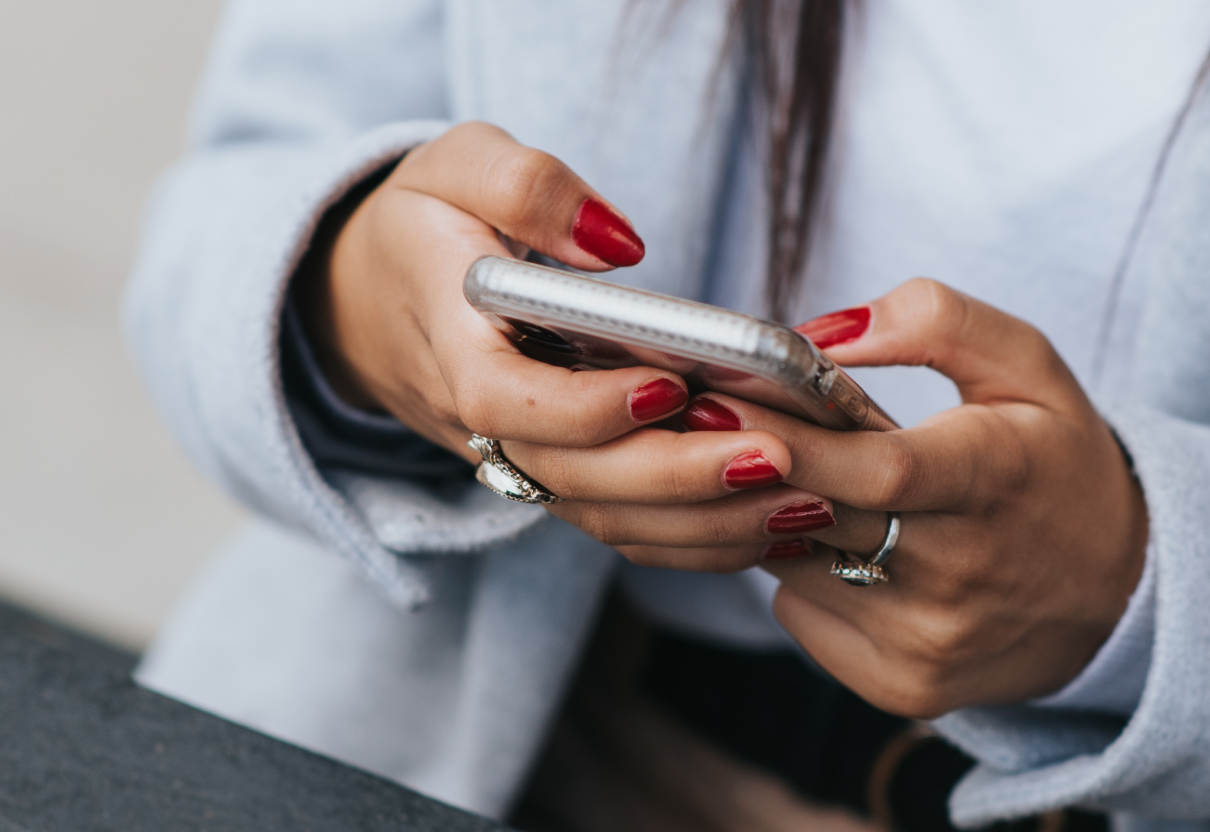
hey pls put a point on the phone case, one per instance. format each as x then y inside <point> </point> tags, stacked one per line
<point>568,319</point>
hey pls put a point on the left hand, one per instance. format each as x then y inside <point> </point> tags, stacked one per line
<point>1023,531</point>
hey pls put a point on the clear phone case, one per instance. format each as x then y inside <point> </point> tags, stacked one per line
<point>568,319</point>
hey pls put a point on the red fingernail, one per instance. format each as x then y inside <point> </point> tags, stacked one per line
<point>656,399</point>
<point>800,517</point>
<point>750,470</point>
<point>707,414</point>
<point>786,550</point>
<point>605,235</point>
<point>837,328</point>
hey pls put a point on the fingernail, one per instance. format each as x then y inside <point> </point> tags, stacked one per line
<point>837,328</point>
<point>786,550</point>
<point>716,373</point>
<point>656,399</point>
<point>750,470</point>
<point>707,414</point>
<point>606,236</point>
<point>800,517</point>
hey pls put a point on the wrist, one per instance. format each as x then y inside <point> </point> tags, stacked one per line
<point>1140,524</point>
<point>314,291</point>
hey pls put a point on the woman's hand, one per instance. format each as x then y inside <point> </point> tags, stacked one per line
<point>1023,530</point>
<point>394,332</point>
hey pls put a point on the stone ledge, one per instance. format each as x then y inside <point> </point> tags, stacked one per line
<point>83,748</point>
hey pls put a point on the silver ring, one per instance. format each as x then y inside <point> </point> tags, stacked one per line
<point>500,476</point>
<point>857,573</point>
<point>869,572</point>
<point>889,542</point>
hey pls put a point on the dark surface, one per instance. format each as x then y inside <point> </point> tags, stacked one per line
<point>82,748</point>
<point>771,710</point>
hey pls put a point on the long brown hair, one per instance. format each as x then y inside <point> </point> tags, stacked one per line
<point>793,52</point>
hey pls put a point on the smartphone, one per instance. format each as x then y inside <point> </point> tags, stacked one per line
<point>570,320</point>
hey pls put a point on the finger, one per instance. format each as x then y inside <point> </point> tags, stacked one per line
<point>921,617</point>
<point>656,466</point>
<point>959,458</point>
<point>866,608</point>
<point>498,392</point>
<point>473,377</point>
<point>936,561</point>
<point>526,194</point>
<point>717,559</point>
<point>505,395</point>
<point>761,516</point>
<point>493,389</point>
<point>917,659</point>
<point>858,532</point>
<point>990,355</point>
<point>855,660</point>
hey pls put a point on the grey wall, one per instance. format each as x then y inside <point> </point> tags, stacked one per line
<point>102,522</point>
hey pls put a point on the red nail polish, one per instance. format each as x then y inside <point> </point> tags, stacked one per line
<point>750,470</point>
<point>605,235</point>
<point>786,550</point>
<point>656,399</point>
<point>800,517</point>
<point>707,414</point>
<point>837,328</point>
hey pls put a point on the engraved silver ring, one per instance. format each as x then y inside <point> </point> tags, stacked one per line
<point>859,572</point>
<point>499,475</point>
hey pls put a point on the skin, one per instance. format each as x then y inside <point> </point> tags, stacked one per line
<point>1023,531</point>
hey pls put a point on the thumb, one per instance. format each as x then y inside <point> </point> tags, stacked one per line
<point>528,195</point>
<point>990,355</point>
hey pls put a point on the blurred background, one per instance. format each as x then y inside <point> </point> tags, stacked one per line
<point>102,521</point>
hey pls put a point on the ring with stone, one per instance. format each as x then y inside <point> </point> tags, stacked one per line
<point>859,572</point>
<point>500,476</point>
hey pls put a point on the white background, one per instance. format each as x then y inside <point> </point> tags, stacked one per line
<point>102,521</point>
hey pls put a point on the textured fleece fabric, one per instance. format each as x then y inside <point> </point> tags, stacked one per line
<point>303,100</point>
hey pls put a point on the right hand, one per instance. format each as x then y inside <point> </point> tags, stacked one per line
<point>395,332</point>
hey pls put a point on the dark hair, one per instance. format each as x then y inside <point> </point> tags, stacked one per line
<point>793,52</point>
<point>793,49</point>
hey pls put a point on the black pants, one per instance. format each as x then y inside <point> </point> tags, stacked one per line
<point>650,711</point>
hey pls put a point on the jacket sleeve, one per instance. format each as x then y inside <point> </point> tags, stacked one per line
<point>301,101</point>
<point>1156,762</point>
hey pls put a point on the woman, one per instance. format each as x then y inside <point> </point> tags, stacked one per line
<point>1009,152</point>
